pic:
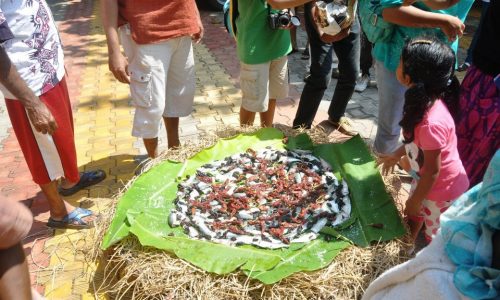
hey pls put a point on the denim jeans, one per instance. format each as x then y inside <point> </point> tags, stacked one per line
<point>391,96</point>
<point>347,51</point>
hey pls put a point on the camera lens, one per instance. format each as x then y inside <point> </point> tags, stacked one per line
<point>284,21</point>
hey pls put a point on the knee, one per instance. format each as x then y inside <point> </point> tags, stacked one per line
<point>318,81</point>
<point>15,223</point>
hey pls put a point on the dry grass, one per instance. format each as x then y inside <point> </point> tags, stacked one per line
<point>132,271</point>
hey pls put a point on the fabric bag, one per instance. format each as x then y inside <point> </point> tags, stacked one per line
<point>374,26</point>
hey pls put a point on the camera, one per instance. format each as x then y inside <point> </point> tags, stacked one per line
<point>280,19</point>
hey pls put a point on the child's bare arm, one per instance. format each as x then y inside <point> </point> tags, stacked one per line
<point>118,64</point>
<point>410,16</point>
<point>432,164</point>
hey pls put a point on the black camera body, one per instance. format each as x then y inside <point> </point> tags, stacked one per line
<point>279,20</point>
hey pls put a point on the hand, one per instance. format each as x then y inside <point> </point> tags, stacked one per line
<point>412,208</point>
<point>118,65</point>
<point>328,39</point>
<point>199,35</point>
<point>453,28</point>
<point>41,118</point>
<point>388,162</point>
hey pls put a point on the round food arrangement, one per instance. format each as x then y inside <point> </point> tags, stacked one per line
<point>268,198</point>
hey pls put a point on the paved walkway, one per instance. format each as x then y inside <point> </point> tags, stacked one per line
<point>103,118</point>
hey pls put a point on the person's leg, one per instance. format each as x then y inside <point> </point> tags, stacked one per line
<point>180,88</point>
<point>293,37</point>
<point>267,117</point>
<point>246,117</point>
<point>254,82</point>
<point>415,225</point>
<point>390,109</point>
<point>277,86</point>
<point>51,157</point>
<point>59,208</point>
<point>365,60</point>
<point>14,274</point>
<point>431,211</point>
<point>348,53</point>
<point>365,63</point>
<point>151,146</point>
<point>318,79</point>
<point>148,65</point>
<point>172,127</point>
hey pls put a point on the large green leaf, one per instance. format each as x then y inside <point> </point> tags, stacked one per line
<point>377,218</point>
<point>157,187</point>
<point>144,209</point>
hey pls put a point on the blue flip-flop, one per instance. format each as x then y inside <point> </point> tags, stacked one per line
<point>86,179</point>
<point>73,220</point>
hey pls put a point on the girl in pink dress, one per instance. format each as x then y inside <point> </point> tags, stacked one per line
<point>430,144</point>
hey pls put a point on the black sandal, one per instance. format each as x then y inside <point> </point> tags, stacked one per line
<point>86,179</point>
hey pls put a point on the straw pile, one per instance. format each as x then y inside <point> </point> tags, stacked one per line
<point>132,271</point>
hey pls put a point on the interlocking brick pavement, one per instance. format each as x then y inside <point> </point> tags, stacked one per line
<point>103,116</point>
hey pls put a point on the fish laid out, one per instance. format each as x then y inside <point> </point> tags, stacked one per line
<point>268,198</point>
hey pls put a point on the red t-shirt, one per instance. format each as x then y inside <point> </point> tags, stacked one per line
<point>154,21</point>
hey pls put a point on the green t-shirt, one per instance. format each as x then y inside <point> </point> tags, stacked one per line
<point>390,52</point>
<point>257,43</point>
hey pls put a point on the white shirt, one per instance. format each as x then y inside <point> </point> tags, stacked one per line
<point>33,44</point>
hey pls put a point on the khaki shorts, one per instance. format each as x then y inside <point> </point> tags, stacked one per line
<point>162,81</point>
<point>262,82</point>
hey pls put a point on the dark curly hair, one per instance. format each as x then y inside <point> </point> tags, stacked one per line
<point>430,64</point>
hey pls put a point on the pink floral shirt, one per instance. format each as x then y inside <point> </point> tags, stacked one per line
<point>29,35</point>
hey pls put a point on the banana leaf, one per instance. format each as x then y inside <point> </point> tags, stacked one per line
<point>144,209</point>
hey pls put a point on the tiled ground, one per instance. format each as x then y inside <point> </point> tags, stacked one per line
<point>103,117</point>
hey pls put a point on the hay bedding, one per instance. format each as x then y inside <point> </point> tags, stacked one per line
<point>132,271</point>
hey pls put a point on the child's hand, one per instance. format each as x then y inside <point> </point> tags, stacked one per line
<point>452,27</point>
<point>388,162</point>
<point>412,208</point>
<point>199,35</point>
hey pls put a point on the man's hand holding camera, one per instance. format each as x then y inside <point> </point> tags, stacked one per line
<point>328,39</point>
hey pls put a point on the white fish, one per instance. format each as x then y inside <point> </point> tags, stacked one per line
<point>333,206</point>
<point>346,209</point>
<point>173,220</point>
<point>199,222</point>
<point>305,238</point>
<point>345,188</point>
<point>319,225</point>
<point>194,194</point>
<point>245,215</point>
<point>192,233</point>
